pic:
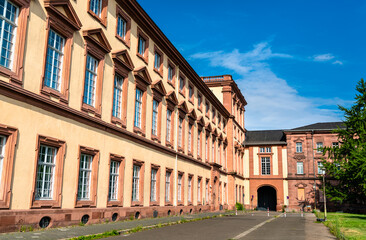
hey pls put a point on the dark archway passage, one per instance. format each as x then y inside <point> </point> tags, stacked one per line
<point>267,198</point>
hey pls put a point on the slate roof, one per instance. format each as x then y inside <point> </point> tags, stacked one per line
<point>320,126</point>
<point>265,137</point>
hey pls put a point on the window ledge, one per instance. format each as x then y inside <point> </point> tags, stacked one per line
<point>90,109</point>
<point>118,121</point>
<point>114,203</point>
<point>138,131</point>
<point>182,93</point>
<point>160,72</point>
<point>125,42</point>
<point>50,92</point>
<point>144,59</point>
<point>100,20</point>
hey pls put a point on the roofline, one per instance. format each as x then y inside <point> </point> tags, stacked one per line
<point>144,21</point>
<point>264,143</point>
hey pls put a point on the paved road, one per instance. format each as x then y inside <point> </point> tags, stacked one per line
<point>256,226</point>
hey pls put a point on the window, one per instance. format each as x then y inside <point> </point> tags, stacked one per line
<point>136,183</point>
<point>190,189</point>
<point>8,21</point>
<point>191,93</point>
<point>157,62</point>
<point>168,124</point>
<point>153,185</point>
<point>180,133</point>
<point>171,74</point>
<point>2,154</point>
<point>320,168</point>
<point>268,149</point>
<point>300,168</point>
<point>155,118</point>
<point>90,80</point>
<point>138,108</point>
<point>85,172</point>
<point>141,46</point>
<point>319,146</point>
<point>199,190</point>
<point>213,114</point>
<point>335,144</point>
<point>262,149</point>
<point>207,108</point>
<point>206,151</point>
<point>121,27</point>
<point>181,84</point>
<point>190,138</point>
<point>54,60</point>
<point>45,173</point>
<point>96,7</point>
<point>113,180</point>
<point>213,150</point>
<point>219,153</point>
<point>199,99</point>
<point>199,143</point>
<point>207,193</point>
<point>180,176</point>
<point>117,96</point>
<point>266,166</point>
<point>299,147</point>
<point>167,186</point>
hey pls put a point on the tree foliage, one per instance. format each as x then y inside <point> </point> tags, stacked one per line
<point>347,162</point>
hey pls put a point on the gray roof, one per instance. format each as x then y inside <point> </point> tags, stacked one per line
<point>320,126</point>
<point>265,137</point>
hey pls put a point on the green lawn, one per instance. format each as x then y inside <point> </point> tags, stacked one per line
<point>350,226</point>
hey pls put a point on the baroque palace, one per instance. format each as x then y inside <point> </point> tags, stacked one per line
<point>113,123</point>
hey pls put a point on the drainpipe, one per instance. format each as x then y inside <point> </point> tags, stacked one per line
<point>312,149</point>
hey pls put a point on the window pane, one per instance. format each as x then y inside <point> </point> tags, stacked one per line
<point>96,7</point>
<point>122,27</point>
<point>138,108</point>
<point>113,181</point>
<point>168,124</point>
<point>45,173</point>
<point>85,177</point>
<point>117,96</point>
<point>142,44</point>
<point>2,154</point>
<point>90,80</point>
<point>155,118</point>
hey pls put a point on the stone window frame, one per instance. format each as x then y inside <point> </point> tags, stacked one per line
<point>92,202</point>
<point>181,115</point>
<point>98,51</point>
<point>158,94</point>
<point>159,70</point>
<point>170,105</point>
<point>171,185</point>
<point>157,190</point>
<point>190,201</point>
<point>270,165</point>
<point>15,74</point>
<point>120,13</point>
<point>182,91</point>
<point>199,191</point>
<point>172,81</point>
<point>140,202</point>
<point>11,135</point>
<point>121,176</point>
<point>207,109</point>
<point>199,141</point>
<point>207,193</point>
<point>122,69</point>
<point>102,19</point>
<point>191,98</point>
<point>199,105</point>
<point>303,168</point>
<point>65,26</point>
<point>181,202</point>
<point>145,57</point>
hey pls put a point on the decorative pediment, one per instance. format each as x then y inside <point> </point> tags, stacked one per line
<point>158,89</point>
<point>63,10</point>
<point>201,121</point>
<point>142,77</point>
<point>299,156</point>
<point>98,38</point>
<point>208,127</point>
<point>192,114</point>
<point>123,60</point>
<point>183,106</point>
<point>225,140</point>
<point>301,185</point>
<point>214,132</point>
<point>172,98</point>
<point>220,137</point>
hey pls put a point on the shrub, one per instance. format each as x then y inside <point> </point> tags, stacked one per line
<point>239,206</point>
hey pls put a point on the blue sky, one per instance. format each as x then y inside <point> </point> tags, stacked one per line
<point>294,61</point>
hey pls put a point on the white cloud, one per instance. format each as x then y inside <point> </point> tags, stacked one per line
<point>338,62</point>
<point>272,103</point>
<point>323,57</point>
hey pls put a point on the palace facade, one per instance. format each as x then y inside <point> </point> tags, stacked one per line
<point>101,118</point>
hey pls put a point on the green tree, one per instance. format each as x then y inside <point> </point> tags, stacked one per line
<point>347,163</point>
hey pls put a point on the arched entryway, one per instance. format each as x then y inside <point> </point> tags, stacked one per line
<point>267,198</point>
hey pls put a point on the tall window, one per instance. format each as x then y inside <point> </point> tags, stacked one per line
<point>155,118</point>
<point>199,190</point>
<point>300,168</point>
<point>206,151</point>
<point>181,84</point>
<point>117,96</point>
<point>54,61</point>
<point>136,183</point>
<point>190,138</point>
<point>96,7</point>
<point>219,153</point>
<point>190,189</point>
<point>168,124</point>
<point>153,185</point>
<point>199,143</point>
<point>190,92</point>
<point>2,153</point>
<point>207,107</point>
<point>299,147</point>
<point>157,62</point>
<point>199,100</point>
<point>319,146</point>
<point>180,187</point>
<point>320,168</point>
<point>138,108</point>
<point>180,132</point>
<point>113,181</point>
<point>142,46</point>
<point>90,80</point>
<point>170,73</point>
<point>8,20</point>
<point>266,166</point>
<point>85,176</point>
<point>207,192</point>
<point>167,186</point>
<point>213,150</point>
<point>45,173</point>
<point>122,27</point>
